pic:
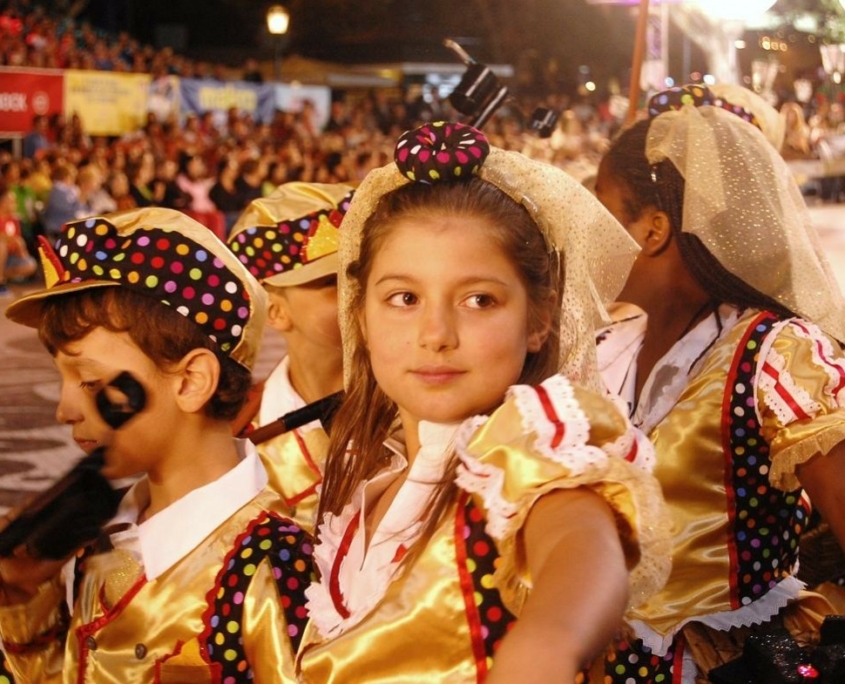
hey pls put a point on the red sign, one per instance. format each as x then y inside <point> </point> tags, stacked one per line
<point>25,93</point>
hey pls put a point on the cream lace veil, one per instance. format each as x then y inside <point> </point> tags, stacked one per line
<point>744,205</point>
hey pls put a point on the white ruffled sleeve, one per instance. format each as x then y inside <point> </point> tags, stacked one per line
<point>558,436</point>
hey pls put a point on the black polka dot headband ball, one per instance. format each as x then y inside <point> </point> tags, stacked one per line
<point>440,152</point>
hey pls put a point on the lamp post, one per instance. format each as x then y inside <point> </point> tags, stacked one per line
<point>278,20</point>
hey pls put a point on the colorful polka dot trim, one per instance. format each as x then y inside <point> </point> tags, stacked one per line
<point>439,152</point>
<point>634,663</point>
<point>288,549</point>
<point>267,251</point>
<point>157,263</point>
<point>766,522</point>
<point>478,553</point>
<point>673,99</point>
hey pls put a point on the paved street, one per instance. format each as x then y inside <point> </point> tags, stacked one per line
<point>34,449</point>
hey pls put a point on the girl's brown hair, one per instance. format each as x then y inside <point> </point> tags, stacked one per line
<point>160,332</point>
<point>364,421</point>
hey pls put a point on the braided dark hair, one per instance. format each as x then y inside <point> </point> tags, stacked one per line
<point>662,186</point>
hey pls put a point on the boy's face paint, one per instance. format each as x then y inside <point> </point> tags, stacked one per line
<point>86,366</point>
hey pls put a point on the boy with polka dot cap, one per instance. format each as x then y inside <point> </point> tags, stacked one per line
<point>288,241</point>
<point>199,577</point>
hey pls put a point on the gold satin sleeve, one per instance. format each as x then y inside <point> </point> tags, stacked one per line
<point>266,640</point>
<point>506,446</point>
<point>266,643</point>
<point>22,625</point>
<point>294,463</point>
<point>796,442</point>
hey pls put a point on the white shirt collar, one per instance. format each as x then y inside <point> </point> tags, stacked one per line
<point>672,373</point>
<point>167,537</point>
<point>278,397</point>
<point>617,347</point>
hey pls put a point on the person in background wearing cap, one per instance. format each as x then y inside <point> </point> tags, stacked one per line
<point>199,575</point>
<point>288,241</point>
<point>737,377</point>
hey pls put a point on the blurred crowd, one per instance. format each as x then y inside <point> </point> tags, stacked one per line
<point>212,170</point>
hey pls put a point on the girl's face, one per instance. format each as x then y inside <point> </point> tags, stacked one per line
<point>445,319</point>
<point>85,367</point>
<point>613,194</point>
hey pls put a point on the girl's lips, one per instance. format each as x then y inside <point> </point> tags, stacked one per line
<point>86,445</point>
<point>437,376</point>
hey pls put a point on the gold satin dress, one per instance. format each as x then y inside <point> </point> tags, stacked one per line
<point>295,459</point>
<point>741,428</point>
<point>765,398</point>
<point>441,617</point>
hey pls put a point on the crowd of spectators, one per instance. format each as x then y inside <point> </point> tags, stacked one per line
<point>32,36</point>
<point>212,171</point>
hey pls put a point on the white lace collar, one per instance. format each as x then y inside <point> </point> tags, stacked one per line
<point>353,580</point>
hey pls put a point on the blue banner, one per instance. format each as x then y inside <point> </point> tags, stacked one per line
<point>200,95</point>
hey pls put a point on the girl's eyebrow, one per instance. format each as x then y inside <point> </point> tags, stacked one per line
<point>468,280</point>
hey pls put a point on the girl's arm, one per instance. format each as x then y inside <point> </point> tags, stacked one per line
<point>579,590</point>
<point>823,477</point>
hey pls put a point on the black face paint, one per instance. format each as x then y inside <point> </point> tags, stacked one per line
<point>71,513</point>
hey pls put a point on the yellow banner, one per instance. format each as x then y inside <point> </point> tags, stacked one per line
<point>108,103</point>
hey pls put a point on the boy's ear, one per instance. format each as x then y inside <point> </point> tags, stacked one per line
<point>198,375</point>
<point>278,313</point>
<point>540,333</point>
<point>658,231</point>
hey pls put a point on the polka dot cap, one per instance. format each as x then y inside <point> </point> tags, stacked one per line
<point>267,251</point>
<point>162,254</point>
<point>440,152</point>
<point>483,603</point>
<point>673,99</point>
<point>288,550</point>
<point>163,265</point>
<point>766,522</point>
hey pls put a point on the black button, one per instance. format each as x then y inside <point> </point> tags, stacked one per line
<point>91,643</point>
<point>140,651</point>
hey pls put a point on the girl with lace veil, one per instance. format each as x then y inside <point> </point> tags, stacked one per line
<point>735,372</point>
<point>475,475</point>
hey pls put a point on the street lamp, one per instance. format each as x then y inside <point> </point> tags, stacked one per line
<point>278,20</point>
